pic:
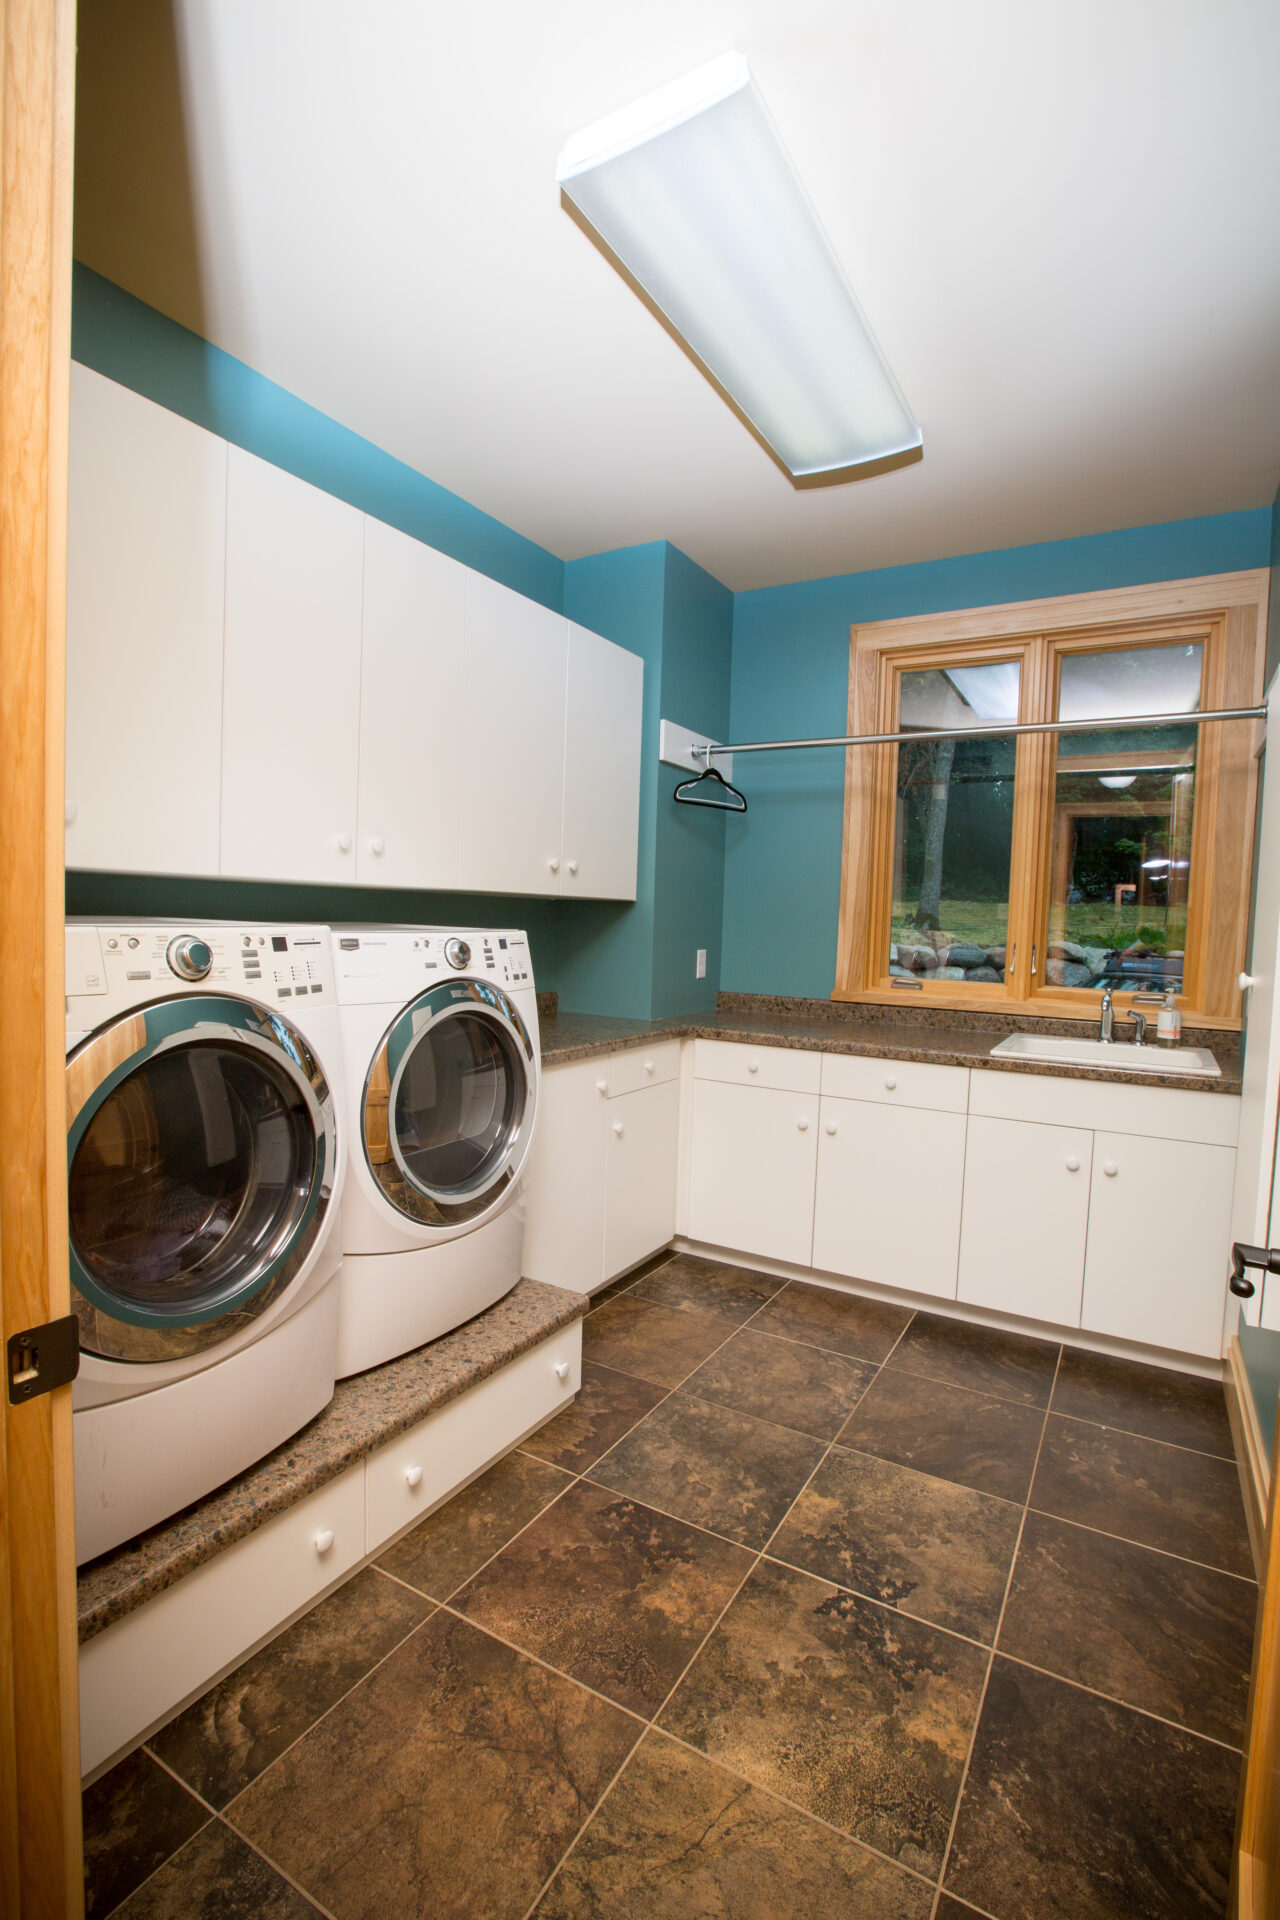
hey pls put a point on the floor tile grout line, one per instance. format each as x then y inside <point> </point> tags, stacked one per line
<point>988,1393</point>
<point>546,1886</point>
<point>874,1600</point>
<point>905,1466</point>
<point>1131,1433</point>
<point>991,1658</point>
<point>1127,1706</point>
<point>540,1660</point>
<point>312,1899</point>
<point>1126,1540</point>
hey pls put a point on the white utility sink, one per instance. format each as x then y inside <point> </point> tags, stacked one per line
<point>1117,1056</point>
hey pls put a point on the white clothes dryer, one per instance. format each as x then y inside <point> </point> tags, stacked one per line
<point>440,1039</point>
<point>205,1172</point>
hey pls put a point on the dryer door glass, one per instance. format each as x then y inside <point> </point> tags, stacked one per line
<point>459,1104</point>
<point>192,1176</point>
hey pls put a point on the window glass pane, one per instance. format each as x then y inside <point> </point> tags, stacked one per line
<point>1120,863</point>
<point>954,826</point>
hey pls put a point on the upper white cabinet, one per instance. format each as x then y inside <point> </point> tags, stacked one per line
<point>512,732</point>
<point>147,538</point>
<point>604,695</point>
<point>413,770</point>
<point>291,679</point>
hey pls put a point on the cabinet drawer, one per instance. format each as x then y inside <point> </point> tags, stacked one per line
<point>408,1477</point>
<point>135,1673</point>
<point>783,1068</point>
<point>1163,1113</point>
<point>899,1083</point>
<point>640,1067</point>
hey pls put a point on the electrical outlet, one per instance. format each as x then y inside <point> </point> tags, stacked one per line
<point>700,971</point>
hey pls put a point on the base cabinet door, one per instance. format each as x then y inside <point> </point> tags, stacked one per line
<point>640,1175</point>
<point>888,1195</point>
<point>752,1168</point>
<point>1159,1242</point>
<point>1025,1218</point>
<point>564,1230</point>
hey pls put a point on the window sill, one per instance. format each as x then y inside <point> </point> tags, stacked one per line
<point>1080,1007</point>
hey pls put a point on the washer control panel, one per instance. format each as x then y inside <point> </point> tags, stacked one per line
<point>118,964</point>
<point>376,964</point>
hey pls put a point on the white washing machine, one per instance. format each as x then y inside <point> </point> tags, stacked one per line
<point>440,1039</point>
<point>205,1172</point>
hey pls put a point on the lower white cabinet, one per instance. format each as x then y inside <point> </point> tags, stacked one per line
<point>1159,1241</point>
<point>640,1174</point>
<point>1026,1217</point>
<point>754,1154</point>
<point>887,1207</point>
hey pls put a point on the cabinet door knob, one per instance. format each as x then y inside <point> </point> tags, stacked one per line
<point>602,1086</point>
<point>1073,1163</point>
<point>1110,1169</point>
<point>413,1476</point>
<point>648,1066</point>
<point>891,1081</point>
<point>617,1127</point>
<point>562,1369</point>
<point>554,865</point>
<point>573,866</point>
<point>324,1541</point>
<point>831,1126</point>
<point>378,844</point>
<point>803,1125</point>
<point>1243,980</point>
<point>343,843</point>
<point>753,1066</point>
<point>70,812</point>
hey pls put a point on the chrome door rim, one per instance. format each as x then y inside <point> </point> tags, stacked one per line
<point>443,1208</point>
<point>133,1331</point>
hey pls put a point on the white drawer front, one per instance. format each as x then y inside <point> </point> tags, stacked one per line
<point>898,1083</point>
<point>408,1477</point>
<point>640,1067</point>
<point>136,1672</point>
<point>783,1068</point>
<point>1163,1113</point>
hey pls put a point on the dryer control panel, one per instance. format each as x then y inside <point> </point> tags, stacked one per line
<point>376,964</point>
<point>113,965</point>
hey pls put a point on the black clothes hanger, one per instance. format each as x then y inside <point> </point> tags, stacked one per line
<point>716,791</point>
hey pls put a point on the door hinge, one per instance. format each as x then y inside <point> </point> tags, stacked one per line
<point>42,1358</point>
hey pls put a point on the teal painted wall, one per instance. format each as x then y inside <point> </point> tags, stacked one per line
<point>790,681</point>
<point>1273,603</point>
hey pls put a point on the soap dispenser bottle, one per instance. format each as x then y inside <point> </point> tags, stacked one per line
<point>1169,1023</point>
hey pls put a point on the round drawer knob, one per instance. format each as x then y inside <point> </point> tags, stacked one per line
<point>378,844</point>
<point>648,1066</point>
<point>343,843</point>
<point>753,1066</point>
<point>324,1541</point>
<point>573,866</point>
<point>891,1081</point>
<point>831,1126</point>
<point>803,1125</point>
<point>70,812</point>
<point>562,1369</point>
<point>617,1128</point>
<point>554,865</point>
<point>1073,1163</point>
<point>602,1086</point>
<point>1110,1169</point>
<point>413,1476</point>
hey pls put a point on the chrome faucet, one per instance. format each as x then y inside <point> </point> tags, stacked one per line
<point>1139,1027</point>
<point>1108,1018</point>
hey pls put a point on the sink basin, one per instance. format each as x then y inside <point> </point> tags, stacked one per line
<point>1119,1056</point>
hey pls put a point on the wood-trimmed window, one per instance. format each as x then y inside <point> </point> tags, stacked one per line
<point>1127,853</point>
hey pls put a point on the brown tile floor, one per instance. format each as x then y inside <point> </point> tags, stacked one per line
<point>809,1607</point>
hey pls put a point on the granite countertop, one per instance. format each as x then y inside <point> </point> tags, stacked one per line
<point>887,1033</point>
<point>364,1413</point>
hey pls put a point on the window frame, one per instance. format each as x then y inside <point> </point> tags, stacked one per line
<point>1226,613</point>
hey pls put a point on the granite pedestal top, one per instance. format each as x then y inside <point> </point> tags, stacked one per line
<point>364,1414</point>
<point>884,1033</point>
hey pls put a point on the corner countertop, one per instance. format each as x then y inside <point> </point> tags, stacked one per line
<point>365,1412</point>
<point>884,1033</point>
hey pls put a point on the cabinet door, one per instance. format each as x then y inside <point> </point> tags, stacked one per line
<point>147,546</point>
<point>640,1175</point>
<point>512,727</point>
<point>291,693</point>
<point>888,1198</point>
<point>564,1232</point>
<point>604,697</point>
<point>752,1169</point>
<point>1159,1242</point>
<point>1026,1212</point>
<point>412,678</point>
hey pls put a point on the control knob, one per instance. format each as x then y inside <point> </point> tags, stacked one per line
<point>189,958</point>
<point>457,953</point>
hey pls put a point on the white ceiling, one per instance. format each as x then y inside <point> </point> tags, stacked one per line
<point>1062,218</point>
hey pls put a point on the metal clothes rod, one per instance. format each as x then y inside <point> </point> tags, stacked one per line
<point>982,733</point>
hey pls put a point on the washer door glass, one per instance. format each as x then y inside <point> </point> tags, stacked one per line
<point>194,1170</point>
<point>447,1105</point>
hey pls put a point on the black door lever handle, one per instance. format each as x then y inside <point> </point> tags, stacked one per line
<point>1266,1259</point>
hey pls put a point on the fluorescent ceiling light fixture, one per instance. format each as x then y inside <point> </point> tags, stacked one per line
<point>690,194</point>
<point>1117,779</point>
